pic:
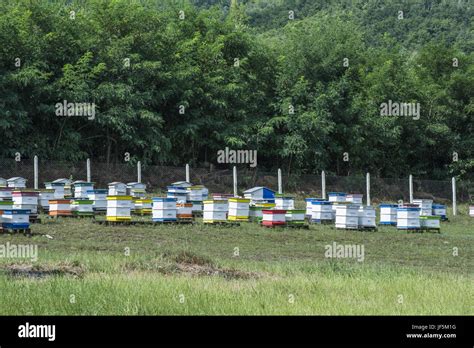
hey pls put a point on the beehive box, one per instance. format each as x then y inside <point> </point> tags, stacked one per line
<point>321,211</point>
<point>273,217</point>
<point>25,199</point>
<point>388,214</point>
<point>6,205</point>
<point>215,211</point>
<point>3,182</point>
<point>136,189</point>
<point>6,193</point>
<point>309,205</point>
<point>99,198</point>
<point>82,207</point>
<point>426,206</point>
<point>408,217</point>
<point>295,217</point>
<point>284,202</point>
<point>355,198</point>
<point>239,209</point>
<point>117,189</point>
<point>81,187</point>
<point>337,197</point>
<point>184,210</point>
<point>143,206</point>
<point>255,211</point>
<point>16,218</point>
<point>221,196</point>
<point>440,210</point>
<point>164,209</point>
<point>44,197</point>
<point>16,182</point>
<point>179,193</point>
<point>430,222</point>
<point>367,216</point>
<point>347,216</point>
<point>60,207</point>
<point>57,187</point>
<point>119,208</point>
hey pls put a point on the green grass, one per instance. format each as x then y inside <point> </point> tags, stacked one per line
<point>177,269</point>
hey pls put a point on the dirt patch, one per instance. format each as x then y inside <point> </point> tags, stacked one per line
<point>43,270</point>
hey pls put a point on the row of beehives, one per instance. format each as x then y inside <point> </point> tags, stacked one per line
<point>348,212</point>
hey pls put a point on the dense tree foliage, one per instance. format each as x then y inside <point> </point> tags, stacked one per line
<point>176,81</point>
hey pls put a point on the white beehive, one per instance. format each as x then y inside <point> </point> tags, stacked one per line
<point>408,217</point>
<point>5,193</point>
<point>16,182</point>
<point>82,207</point>
<point>426,206</point>
<point>136,189</point>
<point>239,209</point>
<point>337,197</point>
<point>388,214</point>
<point>60,207</point>
<point>16,218</point>
<point>119,208</point>
<point>99,198</point>
<point>25,200</point>
<point>81,187</point>
<point>284,202</point>
<point>273,217</point>
<point>117,189</point>
<point>440,210</point>
<point>347,216</point>
<point>184,210</point>
<point>215,211</point>
<point>164,209</point>
<point>367,216</point>
<point>430,222</point>
<point>321,211</point>
<point>179,193</point>
<point>44,197</point>
<point>3,182</point>
<point>355,198</point>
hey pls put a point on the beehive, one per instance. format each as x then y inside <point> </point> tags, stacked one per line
<point>16,182</point>
<point>273,217</point>
<point>239,209</point>
<point>16,218</point>
<point>82,207</point>
<point>388,214</point>
<point>58,188</point>
<point>179,193</point>
<point>309,206</point>
<point>408,217</point>
<point>439,210</point>
<point>3,182</point>
<point>215,211</point>
<point>60,207</point>
<point>255,210</point>
<point>295,217</point>
<point>6,205</point>
<point>221,196</point>
<point>25,199</point>
<point>337,197</point>
<point>136,189</point>
<point>367,216</point>
<point>164,209</point>
<point>44,197</point>
<point>430,221</point>
<point>99,198</point>
<point>119,208</point>
<point>355,198</point>
<point>6,193</point>
<point>143,206</point>
<point>347,216</point>
<point>81,188</point>
<point>321,211</point>
<point>426,206</point>
<point>184,210</point>
<point>117,189</point>
<point>284,202</point>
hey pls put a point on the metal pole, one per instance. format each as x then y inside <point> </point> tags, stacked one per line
<point>323,185</point>
<point>188,179</point>
<point>139,171</point>
<point>454,196</point>
<point>368,189</point>
<point>235,180</point>
<point>280,184</point>
<point>88,164</point>
<point>36,171</point>
<point>410,184</point>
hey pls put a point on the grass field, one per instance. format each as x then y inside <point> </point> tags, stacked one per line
<point>92,269</point>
